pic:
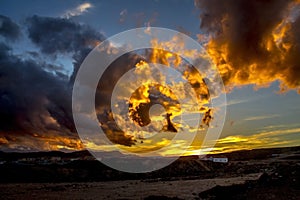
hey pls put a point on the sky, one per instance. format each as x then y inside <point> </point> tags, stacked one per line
<point>254,44</point>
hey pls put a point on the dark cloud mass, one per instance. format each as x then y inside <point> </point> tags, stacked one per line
<point>32,101</point>
<point>8,28</point>
<point>254,42</point>
<point>35,102</point>
<point>59,35</point>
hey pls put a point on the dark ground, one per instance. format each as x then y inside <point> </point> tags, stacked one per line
<point>254,174</point>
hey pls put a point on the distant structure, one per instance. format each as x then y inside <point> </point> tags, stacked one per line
<point>218,160</point>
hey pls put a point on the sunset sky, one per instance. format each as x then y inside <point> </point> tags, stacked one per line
<point>254,44</point>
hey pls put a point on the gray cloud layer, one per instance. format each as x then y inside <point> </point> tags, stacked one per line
<point>8,28</point>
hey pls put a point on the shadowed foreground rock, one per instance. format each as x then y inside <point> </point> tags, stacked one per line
<point>283,183</point>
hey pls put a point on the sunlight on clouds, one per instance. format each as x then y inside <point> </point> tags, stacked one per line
<point>232,139</point>
<point>267,139</point>
<point>3,140</point>
<point>95,147</point>
<point>261,117</point>
<point>264,52</point>
<point>79,10</point>
<point>34,142</point>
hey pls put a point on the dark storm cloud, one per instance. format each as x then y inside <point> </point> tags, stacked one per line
<point>35,98</point>
<point>8,28</point>
<point>4,50</point>
<point>59,35</point>
<point>29,95</point>
<point>253,42</point>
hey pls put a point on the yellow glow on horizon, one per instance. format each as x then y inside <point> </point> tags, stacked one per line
<point>267,139</point>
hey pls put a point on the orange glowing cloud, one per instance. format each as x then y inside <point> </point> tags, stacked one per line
<point>253,42</point>
<point>50,141</point>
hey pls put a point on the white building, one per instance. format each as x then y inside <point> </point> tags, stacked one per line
<point>220,160</point>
